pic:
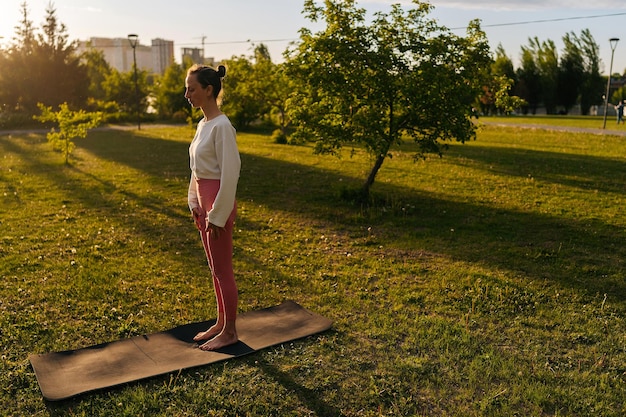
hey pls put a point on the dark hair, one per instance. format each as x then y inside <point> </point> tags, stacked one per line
<point>208,76</point>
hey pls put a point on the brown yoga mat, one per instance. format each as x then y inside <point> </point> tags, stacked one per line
<point>65,374</point>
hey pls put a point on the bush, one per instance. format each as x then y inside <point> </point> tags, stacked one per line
<point>17,120</point>
<point>278,136</point>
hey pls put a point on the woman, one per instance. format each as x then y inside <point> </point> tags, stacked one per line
<point>215,164</point>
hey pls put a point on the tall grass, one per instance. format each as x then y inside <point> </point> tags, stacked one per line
<point>489,282</point>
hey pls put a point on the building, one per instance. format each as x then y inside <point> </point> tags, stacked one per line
<point>197,56</point>
<point>162,55</point>
<point>118,52</point>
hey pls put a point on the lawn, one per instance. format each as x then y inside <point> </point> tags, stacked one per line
<point>489,282</point>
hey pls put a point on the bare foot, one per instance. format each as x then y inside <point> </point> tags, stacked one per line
<point>221,340</point>
<point>209,334</point>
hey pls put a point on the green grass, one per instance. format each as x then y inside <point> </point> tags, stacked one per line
<point>489,282</point>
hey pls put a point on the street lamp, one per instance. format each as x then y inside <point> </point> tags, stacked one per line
<point>613,42</point>
<point>133,39</point>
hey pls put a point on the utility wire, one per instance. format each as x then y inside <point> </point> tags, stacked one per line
<point>246,41</point>
<point>528,22</point>
<point>560,19</point>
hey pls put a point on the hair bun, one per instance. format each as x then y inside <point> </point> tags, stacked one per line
<point>221,71</point>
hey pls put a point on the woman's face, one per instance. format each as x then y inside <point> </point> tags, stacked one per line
<point>195,94</point>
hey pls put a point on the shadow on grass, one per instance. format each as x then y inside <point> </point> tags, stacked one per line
<point>583,255</point>
<point>308,396</point>
<point>581,171</point>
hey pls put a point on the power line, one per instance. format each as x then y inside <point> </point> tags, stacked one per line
<point>527,22</point>
<point>243,41</point>
<point>559,19</point>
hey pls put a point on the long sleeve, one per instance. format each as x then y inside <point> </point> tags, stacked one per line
<point>192,196</point>
<point>230,166</point>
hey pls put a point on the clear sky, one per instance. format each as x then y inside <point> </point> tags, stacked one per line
<point>230,27</point>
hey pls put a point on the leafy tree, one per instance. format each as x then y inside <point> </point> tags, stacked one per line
<point>71,125</point>
<point>593,82</point>
<point>278,94</point>
<point>98,69</point>
<point>273,87</point>
<point>16,63</point>
<point>47,62</point>
<point>375,84</point>
<point>500,78</point>
<point>169,91</point>
<point>571,72</point>
<point>529,87</point>
<point>618,95</point>
<point>240,101</point>
<point>503,65</point>
<point>256,89</point>
<point>503,100</point>
<point>547,59</point>
<point>68,80</point>
<point>120,88</point>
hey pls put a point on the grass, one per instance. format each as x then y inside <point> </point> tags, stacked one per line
<point>487,283</point>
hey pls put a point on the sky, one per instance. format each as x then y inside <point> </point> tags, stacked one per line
<point>232,27</point>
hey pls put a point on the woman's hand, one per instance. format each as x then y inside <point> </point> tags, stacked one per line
<point>199,218</point>
<point>215,231</point>
<point>203,225</point>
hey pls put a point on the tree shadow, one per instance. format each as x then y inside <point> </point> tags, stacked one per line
<point>308,396</point>
<point>581,254</point>
<point>602,174</point>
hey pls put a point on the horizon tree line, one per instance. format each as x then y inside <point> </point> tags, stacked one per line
<point>375,83</point>
<point>43,66</point>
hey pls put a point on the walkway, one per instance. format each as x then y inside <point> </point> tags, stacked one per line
<point>594,131</point>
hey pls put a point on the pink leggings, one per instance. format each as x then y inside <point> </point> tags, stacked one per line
<point>219,252</point>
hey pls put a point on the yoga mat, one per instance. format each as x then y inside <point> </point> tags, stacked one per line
<point>66,374</point>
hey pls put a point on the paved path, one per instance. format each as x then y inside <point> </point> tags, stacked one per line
<point>595,131</point>
<point>485,121</point>
<point>43,131</point>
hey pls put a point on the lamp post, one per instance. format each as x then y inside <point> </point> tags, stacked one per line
<point>613,42</point>
<point>133,39</point>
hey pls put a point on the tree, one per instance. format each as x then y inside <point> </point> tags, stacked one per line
<point>500,76</point>
<point>529,87</point>
<point>571,72</point>
<point>72,125</point>
<point>547,59</point>
<point>593,83</point>
<point>503,65</point>
<point>618,95</point>
<point>374,84</point>
<point>278,98</point>
<point>503,100</point>
<point>47,62</point>
<point>273,87</point>
<point>169,91</point>
<point>16,63</point>
<point>98,69</point>
<point>120,88</point>
<point>241,101</point>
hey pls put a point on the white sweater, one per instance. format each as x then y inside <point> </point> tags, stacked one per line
<point>213,154</point>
